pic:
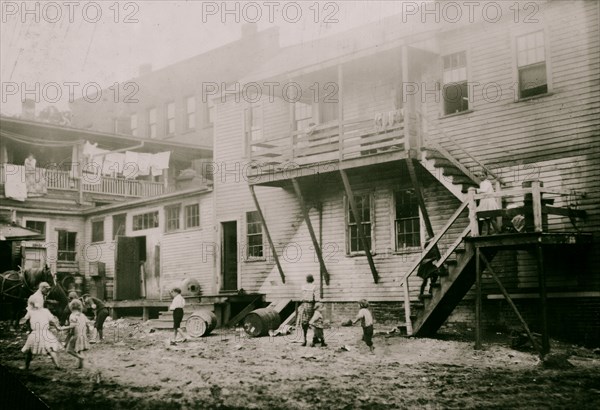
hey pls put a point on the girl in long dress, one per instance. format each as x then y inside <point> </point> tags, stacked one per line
<point>307,308</point>
<point>41,340</point>
<point>488,225</point>
<point>77,340</point>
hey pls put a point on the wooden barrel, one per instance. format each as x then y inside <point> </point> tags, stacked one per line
<point>201,323</point>
<point>260,321</point>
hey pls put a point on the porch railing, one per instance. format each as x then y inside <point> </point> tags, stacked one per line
<point>62,180</point>
<point>325,143</point>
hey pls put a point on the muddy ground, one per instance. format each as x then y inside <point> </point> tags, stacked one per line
<point>137,369</point>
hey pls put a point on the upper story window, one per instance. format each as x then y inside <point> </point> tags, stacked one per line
<point>39,226</point>
<point>328,111</point>
<point>152,123</point>
<point>210,112</point>
<point>170,120</point>
<point>190,113</point>
<point>531,64</point>
<point>172,217</point>
<point>254,123</point>
<point>119,225</point>
<point>192,216</point>
<point>364,205</point>
<point>145,221</point>
<point>254,235</point>
<point>133,124</point>
<point>303,115</point>
<point>98,231</point>
<point>455,92</point>
<point>67,246</point>
<point>408,222</point>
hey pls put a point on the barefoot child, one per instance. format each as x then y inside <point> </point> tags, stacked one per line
<point>366,321</point>
<point>316,322</point>
<point>177,307</point>
<point>41,340</point>
<point>77,340</point>
<point>306,309</point>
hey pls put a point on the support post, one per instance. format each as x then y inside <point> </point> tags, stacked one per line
<point>311,231</point>
<point>407,311</point>
<point>543,301</point>
<point>478,299</point>
<point>358,219</point>
<point>511,303</point>
<point>536,197</point>
<point>421,200</point>
<point>473,223</point>
<point>407,106</point>
<point>340,73</point>
<point>264,224</point>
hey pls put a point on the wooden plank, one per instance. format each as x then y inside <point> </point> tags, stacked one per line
<point>279,304</point>
<point>264,224</point>
<point>419,194</point>
<point>543,302</point>
<point>478,299</point>
<point>473,222</point>
<point>251,306</point>
<point>311,231</point>
<point>358,219</point>
<point>537,206</point>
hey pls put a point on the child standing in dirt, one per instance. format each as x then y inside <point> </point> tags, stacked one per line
<point>366,321</point>
<point>177,306</point>
<point>100,313</point>
<point>77,340</point>
<point>316,322</point>
<point>306,309</point>
<point>41,340</point>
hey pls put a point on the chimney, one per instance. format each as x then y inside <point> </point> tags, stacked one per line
<point>145,69</point>
<point>248,30</point>
<point>28,109</point>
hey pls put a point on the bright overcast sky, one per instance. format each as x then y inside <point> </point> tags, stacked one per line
<point>77,49</point>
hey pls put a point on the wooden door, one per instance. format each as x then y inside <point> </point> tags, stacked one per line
<point>127,269</point>
<point>229,255</point>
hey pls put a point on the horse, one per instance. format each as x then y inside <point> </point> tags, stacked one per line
<point>17,286</point>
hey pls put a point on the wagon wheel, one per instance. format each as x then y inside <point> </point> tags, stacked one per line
<point>67,283</point>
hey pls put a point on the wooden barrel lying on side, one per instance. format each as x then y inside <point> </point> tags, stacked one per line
<point>260,321</point>
<point>201,323</point>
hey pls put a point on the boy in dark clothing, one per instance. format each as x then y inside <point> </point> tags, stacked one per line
<point>100,312</point>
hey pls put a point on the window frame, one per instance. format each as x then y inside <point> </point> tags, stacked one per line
<point>60,252</point>
<point>151,112</point>
<point>156,220</point>
<point>515,34</point>
<point>169,218</point>
<point>186,216</point>
<point>133,118</point>
<point>190,114</point>
<point>209,113</point>
<point>96,221</point>
<point>170,120</point>
<point>295,118</point>
<point>395,222</point>
<point>258,222</point>
<point>116,233</point>
<point>466,81</point>
<point>348,230</point>
<point>46,223</point>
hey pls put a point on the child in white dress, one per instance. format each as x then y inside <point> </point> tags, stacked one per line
<point>77,340</point>
<point>41,340</point>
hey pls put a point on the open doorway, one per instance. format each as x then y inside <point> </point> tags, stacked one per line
<point>229,251</point>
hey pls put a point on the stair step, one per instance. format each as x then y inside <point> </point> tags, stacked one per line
<point>452,171</point>
<point>433,154</point>
<point>462,180</point>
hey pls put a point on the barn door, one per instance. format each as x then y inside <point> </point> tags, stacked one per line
<point>127,269</point>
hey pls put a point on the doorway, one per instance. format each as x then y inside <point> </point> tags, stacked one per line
<point>229,263</point>
<point>127,269</point>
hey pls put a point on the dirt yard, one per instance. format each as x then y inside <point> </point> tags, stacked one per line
<point>137,369</point>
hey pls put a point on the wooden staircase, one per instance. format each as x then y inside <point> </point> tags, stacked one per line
<point>448,172</point>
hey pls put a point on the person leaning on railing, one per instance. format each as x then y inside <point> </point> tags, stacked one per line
<point>487,226</point>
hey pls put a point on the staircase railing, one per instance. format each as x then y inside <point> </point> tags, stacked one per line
<point>450,157</point>
<point>433,243</point>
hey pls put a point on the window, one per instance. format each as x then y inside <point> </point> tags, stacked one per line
<point>192,216</point>
<point>98,231</point>
<point>303,115</point>
<point>172,217</point>
<point>254,121</point>
<point>145,221</point>
<point>133,124</point>
<point>190,116</point>
<point>170,120</point>
<point>408,223</point>
<point>363,203</point>
<point>329,111</point>
<point>210,112</point>
<point>152,123</point>
<point>531,64</point>
<point>119,225</point>
<point>455,91</point>
<point>39,226</point>
<point>67,242</point>
<point>254,234</point>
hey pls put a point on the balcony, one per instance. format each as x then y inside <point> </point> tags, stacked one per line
<point>354,139</point>
<point>60,180</point>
